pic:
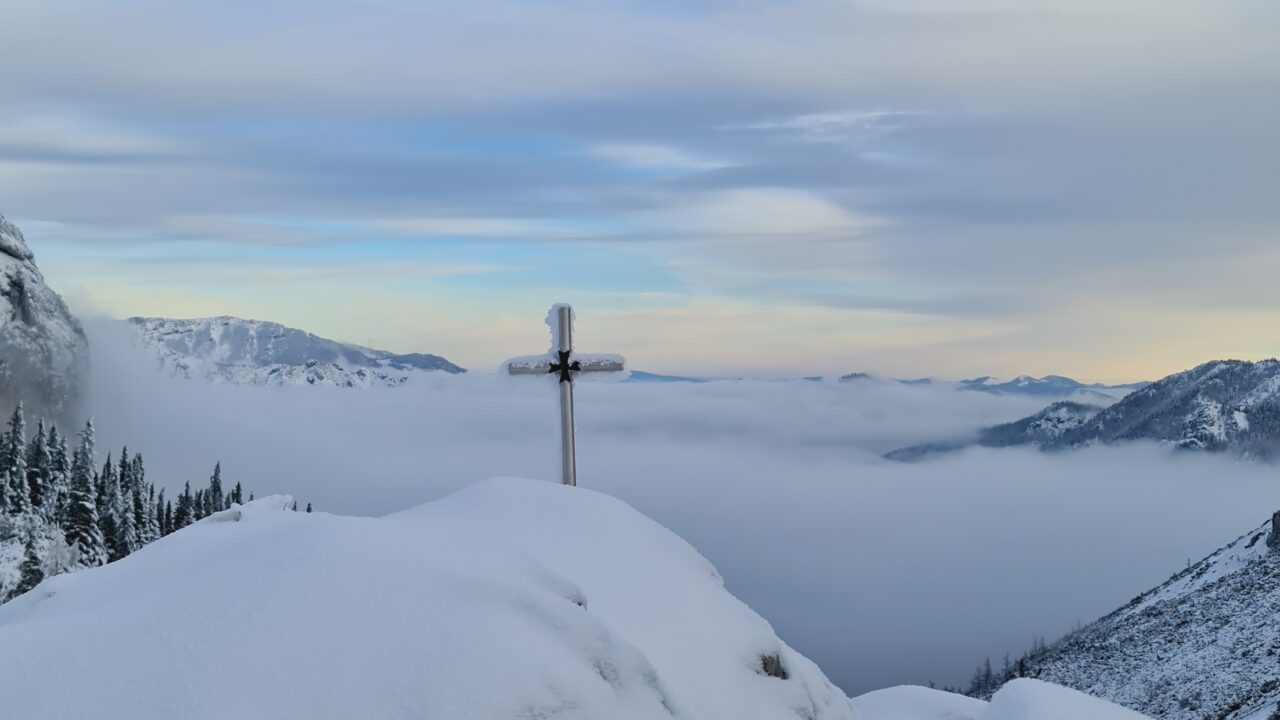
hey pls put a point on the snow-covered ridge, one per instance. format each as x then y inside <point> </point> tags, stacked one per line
<point>253,352</point>
<point>510,599</point>
<point>1228,405</point>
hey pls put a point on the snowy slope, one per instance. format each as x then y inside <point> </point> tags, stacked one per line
<point>510,599</point>
<point>253,352</point>
<point>43,350</point>
<point>1205,644</point>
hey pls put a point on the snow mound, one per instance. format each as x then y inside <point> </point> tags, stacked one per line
<point>1018,700</point>
<point>510,599</point>
<point>1026,699</point>
<point>907,702</point>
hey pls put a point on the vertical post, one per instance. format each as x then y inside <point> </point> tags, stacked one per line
<point>567,451</point>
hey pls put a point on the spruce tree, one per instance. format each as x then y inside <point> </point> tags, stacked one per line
<point>143,493</point>
<point>15,462</point>
<point>58,483</point>
<point>108,501</point>
<point>149,528</point>
<point>214,499</point>
<point>120,501</point>
<point>32,568</point>
<point>38,468</point>
<point>184,513</point>
<point>81,524</point>
<point>168,524</point>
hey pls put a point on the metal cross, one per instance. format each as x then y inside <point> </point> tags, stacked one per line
<point>562,361</point>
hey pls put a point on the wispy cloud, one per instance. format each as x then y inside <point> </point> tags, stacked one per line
<point>656,157</point>
<point>834,126</point>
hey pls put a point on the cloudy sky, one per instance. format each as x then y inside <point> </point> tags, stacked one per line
<point>945,187</point>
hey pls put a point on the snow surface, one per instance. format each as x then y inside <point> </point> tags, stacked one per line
<point>1022,699</point>
<point>909,702</point>
<point>509,599</point>
<point>1027,699</point>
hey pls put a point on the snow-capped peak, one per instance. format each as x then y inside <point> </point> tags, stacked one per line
<point>240,351</point>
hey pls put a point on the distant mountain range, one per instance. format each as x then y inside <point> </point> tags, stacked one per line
<point>1205,644</point>
<point>1049,386</point>
<point>1226,405</point>
<point>252,352</point>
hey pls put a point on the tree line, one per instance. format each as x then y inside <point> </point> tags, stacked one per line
<point>70,513</point>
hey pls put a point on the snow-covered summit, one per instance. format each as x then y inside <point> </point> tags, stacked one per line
<point>254,352</point>
<point>43,350</point>
<point>509,599</point>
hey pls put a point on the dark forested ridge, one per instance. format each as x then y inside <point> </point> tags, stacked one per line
<point>60,510</point>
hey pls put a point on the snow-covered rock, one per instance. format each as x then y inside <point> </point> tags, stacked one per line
<point>43,350</point>
<point>252,352</point>
<point>509,599</point>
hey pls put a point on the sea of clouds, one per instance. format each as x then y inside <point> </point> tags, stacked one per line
<point>883,573</point>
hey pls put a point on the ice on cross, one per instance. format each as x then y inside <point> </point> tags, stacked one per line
<point>563,362</point>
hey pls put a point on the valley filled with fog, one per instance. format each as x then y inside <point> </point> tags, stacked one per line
<point>881,572</point>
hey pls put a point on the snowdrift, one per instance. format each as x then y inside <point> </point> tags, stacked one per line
<point>1018,700</point>
<point>509,599</point>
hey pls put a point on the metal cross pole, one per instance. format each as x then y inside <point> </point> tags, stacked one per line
<point>565,364</point>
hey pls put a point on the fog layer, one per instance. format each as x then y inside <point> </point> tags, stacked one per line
<point>883,573</point>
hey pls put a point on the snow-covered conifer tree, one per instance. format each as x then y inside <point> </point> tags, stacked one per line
<point>38,467</point>
<point>15,462</point>
<point>184,513</point>
<point>81,524</point>
<point>32,568</point>
<point>214,499</point>
<point>57,483</point>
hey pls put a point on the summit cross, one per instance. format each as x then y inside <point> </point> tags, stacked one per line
<point>563,362</point>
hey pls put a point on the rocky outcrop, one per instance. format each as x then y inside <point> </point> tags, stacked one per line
<point>43,350</point>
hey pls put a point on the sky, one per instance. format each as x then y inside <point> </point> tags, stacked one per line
<point>720,187</point>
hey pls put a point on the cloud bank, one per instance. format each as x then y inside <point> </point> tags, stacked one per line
<point>883,573</point>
